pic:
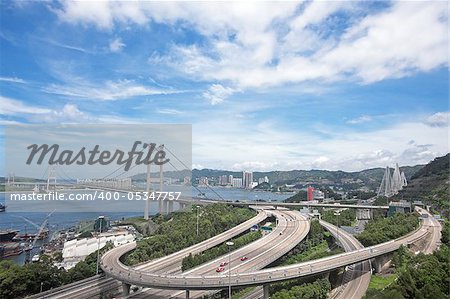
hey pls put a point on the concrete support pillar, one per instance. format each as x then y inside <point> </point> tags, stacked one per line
<point>148,188</point>
<point>266,291</point>
<point>160,206</point>
<point>376,264</point>
<point>187,294</point>
<point>125,289</point>
<point>170,206</point>
<point>381,262</point>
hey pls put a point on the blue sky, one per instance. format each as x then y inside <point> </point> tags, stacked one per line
<point>291,85</point>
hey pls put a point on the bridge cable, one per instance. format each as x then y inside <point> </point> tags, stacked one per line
<point>214,191</point>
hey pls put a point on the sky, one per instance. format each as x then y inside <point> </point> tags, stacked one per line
<point>266,85</point>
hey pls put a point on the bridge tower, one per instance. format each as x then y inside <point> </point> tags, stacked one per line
<point>148,189</point>
<point>391,184</point>
<point>161,207</point>
<point>11,179</point>
<point>51,176</point>
<point>161,203</point>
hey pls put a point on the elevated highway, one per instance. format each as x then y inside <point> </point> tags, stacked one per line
<point>94,286</point>
<point>281,204</point>
<point>356,277</point>
<point>291,229</point>
<point>201,201</point>
<point>111,264</point>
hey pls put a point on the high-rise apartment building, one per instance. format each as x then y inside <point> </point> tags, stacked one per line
<point>247,179</point>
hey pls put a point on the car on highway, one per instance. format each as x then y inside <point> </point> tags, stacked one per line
<point>244,258</point>
<point>223,264</point>
<point>220,269</point>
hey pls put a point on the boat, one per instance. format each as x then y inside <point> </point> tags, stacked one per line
<point>2,207</point>
<point>26,236</point>
<point>7,236</point>
<point>7,246</point>
<point>10,249</point>
<point>35,258</point>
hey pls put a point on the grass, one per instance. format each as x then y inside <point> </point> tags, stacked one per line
<point>378,282</point>
<point>241,293</point>
<point>319,251</point>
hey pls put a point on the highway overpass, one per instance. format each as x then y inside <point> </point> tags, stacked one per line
<point>189,201</point>
<point>291,229</point>
<point>92,287</point>
<point>356,277</point>
<point>111,264</point>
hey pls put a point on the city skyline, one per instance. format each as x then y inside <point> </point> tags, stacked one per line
<point>297,85</point>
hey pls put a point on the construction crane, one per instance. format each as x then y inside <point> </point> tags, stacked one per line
<point>36,237</point>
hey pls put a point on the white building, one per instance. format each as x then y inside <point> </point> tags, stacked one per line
<point>203,181</point>
<point>247,179</point>
<point>263,180</point>
<point>237,183</point>
<point>223,180</point>
<point>318,195</point>
<point>75,251</point>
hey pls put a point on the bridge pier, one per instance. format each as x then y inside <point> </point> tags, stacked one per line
<point>160,207</point>
<point>266,291</point>
<point>125,289</point>
<point>381,262</point>
<point>170,206</point>
<point>187,294</point>
<point>364,214</point>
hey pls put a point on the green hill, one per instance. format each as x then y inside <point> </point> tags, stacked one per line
<point>431,185</point>
<point>370,178</point>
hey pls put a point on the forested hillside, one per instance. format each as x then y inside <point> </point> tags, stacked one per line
<point>431,185</point>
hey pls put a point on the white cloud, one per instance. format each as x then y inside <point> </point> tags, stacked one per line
<point>10,106</point>
<point>359,120</point>
<point>265,44</point>
<point>12,80</point>
<point>382,45</point>
<point>217,93</point>
<point>439,119</point>
<point>116,45</point>
<point>240,144</point>
<point>169,111</point>
<point>108,91</point>
<point>68,113</point>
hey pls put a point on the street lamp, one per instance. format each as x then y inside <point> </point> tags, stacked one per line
<point>100,219</point>
<point>197,207</point>
<point>337,214</point>
<point>229,244</point>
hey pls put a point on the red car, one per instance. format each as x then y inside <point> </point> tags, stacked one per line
<point>220,269</point>
<point>244,258</point>
<point>223,264</point>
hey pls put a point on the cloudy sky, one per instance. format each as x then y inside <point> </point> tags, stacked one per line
<point>291,85</point>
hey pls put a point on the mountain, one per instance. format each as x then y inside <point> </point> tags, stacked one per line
<point>431,185</point>
<point>370,178</point>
